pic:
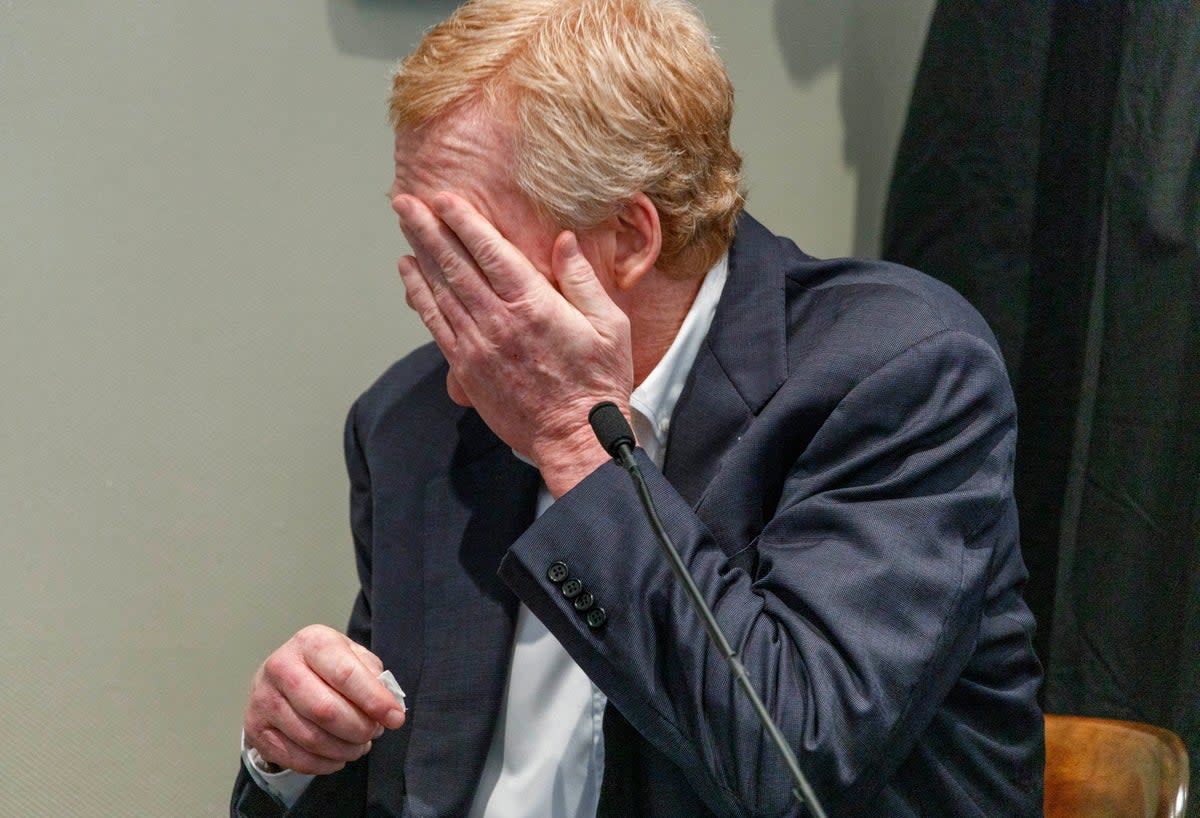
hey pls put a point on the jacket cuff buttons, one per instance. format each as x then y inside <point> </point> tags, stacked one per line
<point>557,572</point>
<point>582,600</point>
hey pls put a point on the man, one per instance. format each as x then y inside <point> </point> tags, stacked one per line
<point>829,444</point>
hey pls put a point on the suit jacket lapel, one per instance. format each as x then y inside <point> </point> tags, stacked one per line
<point>740,365</point>
<point>469,616</point>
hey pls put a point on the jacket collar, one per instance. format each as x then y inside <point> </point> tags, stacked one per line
<point>749,334</point>
<point>741,364</point>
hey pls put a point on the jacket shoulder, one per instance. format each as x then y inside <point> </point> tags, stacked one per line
<point>412,390</point>
<point>862,309</point>
<point>884,296</point>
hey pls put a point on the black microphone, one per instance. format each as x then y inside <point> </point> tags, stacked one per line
<point>614,434</point>
<point>611,428</point>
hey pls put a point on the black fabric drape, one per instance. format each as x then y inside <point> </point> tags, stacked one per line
<point>1050,170</point>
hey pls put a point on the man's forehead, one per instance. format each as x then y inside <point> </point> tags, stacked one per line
<point>470,129</point>
<point>471,155</point>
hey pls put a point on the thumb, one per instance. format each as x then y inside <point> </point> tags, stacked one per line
<point>577,279</point>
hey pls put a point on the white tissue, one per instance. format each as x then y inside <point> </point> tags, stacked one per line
<point>389,681</point>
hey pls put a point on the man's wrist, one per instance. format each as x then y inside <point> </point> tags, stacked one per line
<point>566,464</point>
<point>283,784</point>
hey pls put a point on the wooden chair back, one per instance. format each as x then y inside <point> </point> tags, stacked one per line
<point>1102,768</point>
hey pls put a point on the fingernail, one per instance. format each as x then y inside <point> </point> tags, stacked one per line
<point>395,718</point>
<point>571,246</point>
<point>378,732</point>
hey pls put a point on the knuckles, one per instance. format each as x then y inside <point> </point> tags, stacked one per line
<point>313,637</point>
<point>447,260</point>
<point>430,316</point>
<point>488,254</point>
<point>279,671</point>
<point>273,706</point>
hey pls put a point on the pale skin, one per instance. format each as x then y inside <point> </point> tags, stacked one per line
<point>538,325</point>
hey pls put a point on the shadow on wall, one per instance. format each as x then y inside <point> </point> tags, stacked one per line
<point>877,47</point>
<point>383,29</point>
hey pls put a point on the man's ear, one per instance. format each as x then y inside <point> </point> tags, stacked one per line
<point>638,235</point>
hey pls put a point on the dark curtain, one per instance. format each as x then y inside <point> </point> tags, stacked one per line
<point>1050,171</point>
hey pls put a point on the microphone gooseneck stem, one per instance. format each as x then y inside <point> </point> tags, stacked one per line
<point>616,437</point>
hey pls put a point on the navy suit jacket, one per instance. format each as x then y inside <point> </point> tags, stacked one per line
<point>838,480</point>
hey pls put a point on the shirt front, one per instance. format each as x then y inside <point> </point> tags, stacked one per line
<point>546,758</point>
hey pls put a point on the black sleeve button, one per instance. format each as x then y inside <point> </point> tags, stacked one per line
<point>596,617</point>
<point>584,601</point>
<point>572,588</point>
<point>557,572</point>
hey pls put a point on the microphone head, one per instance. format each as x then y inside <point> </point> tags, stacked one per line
<point>610,427</point>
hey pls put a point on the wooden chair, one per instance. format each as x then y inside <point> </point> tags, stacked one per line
<point>1101,768</point>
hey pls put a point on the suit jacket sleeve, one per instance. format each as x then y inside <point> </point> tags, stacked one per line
<point>342,793</point>
<point>854,609</point>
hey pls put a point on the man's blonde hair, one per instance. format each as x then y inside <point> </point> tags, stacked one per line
<point>604,99</point>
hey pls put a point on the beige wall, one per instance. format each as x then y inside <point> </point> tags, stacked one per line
<point>197,277</point>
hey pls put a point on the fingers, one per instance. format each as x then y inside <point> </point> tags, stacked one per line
<point>577,280</point>
<point>452,271</point>
<point>506,269</point>
<point>286,732</point>
<point>292,685</point>
<point>329,655</point>
<point>420,297</point>
<point>277,748</point>
<point>432,245</point>
<point>317,703</point>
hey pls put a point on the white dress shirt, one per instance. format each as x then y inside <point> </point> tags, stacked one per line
<point>546,759</point>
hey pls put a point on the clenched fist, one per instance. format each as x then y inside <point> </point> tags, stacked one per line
<point>316,703</point>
